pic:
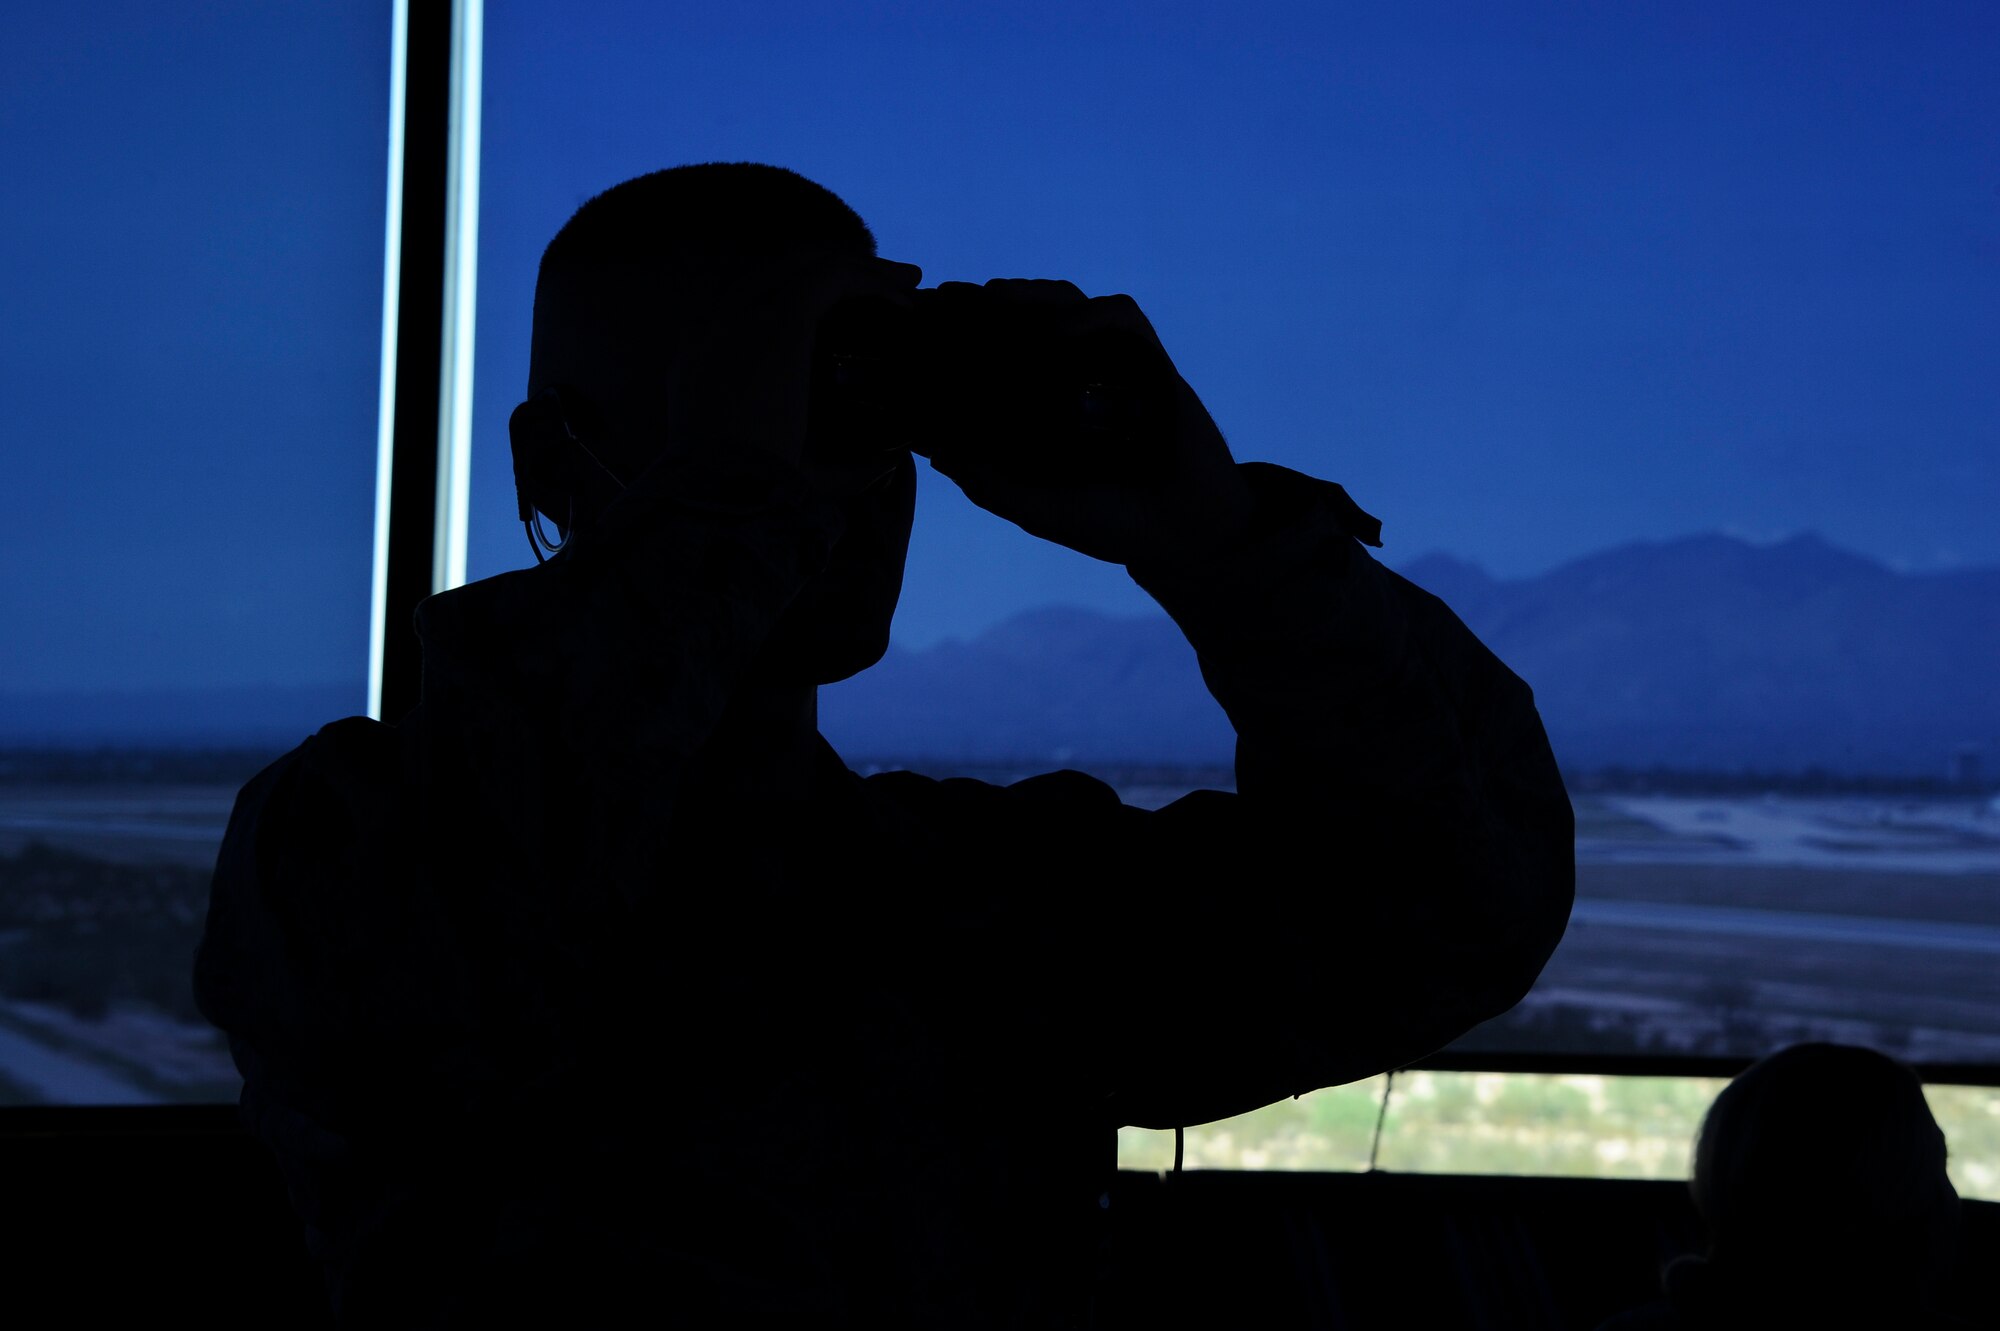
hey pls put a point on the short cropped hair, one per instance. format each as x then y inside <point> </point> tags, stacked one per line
<point>722,212</point>
<point>631,280</point>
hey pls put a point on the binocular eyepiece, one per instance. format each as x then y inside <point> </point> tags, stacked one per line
<point>960,373</point>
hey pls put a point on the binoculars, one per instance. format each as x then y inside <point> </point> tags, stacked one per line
<point>960,373</point>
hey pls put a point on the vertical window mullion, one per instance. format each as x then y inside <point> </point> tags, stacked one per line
<point>423,470</point>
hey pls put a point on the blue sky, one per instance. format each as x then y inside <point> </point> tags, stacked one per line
<point>1531,280</point>
<point>192,241</point>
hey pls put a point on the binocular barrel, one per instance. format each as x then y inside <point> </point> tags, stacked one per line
<point>960,373</point>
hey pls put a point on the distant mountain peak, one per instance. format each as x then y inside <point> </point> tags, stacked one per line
<point>1806,556</point>
<point>1459,583</point>
<point>1052,618</point>
<point>1437,561</point>
<point>1062,630</point>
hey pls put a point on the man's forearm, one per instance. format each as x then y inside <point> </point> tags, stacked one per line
<point>1306,644</point>
<point>1399,771</point>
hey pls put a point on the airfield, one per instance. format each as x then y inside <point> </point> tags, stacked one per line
<point>1703,925</point>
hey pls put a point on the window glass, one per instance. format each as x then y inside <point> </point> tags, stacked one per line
<point>1552,1125</point>
<point>192,246</point>
<point>1660,338</point>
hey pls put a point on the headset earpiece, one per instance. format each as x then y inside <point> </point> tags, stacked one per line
<point>543,446</point>
<point>553,469</point>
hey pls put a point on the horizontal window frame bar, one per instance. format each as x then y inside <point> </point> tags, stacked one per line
<point>1667,1065</point>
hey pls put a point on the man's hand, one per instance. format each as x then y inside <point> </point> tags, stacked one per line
<point>1190,504</point>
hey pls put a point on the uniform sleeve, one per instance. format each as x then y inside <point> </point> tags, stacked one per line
<point>323,936</point>
<point>338,975</point>
<point>1396,866</point>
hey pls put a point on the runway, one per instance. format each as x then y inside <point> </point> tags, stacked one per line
<point>1792,926</point>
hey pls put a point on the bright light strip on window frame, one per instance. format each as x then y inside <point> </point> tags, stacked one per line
<point>385,429</point>
<point>461,286</point>
<point>450,528</point>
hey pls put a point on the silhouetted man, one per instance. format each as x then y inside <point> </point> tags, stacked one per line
<point>599,983</point>
<point>1820,1176</point>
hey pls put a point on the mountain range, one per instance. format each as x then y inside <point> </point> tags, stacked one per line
<point>1706,652</point>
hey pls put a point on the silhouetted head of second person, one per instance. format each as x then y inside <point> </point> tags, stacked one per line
<point>625,292</point>
<point>1820,1173</point>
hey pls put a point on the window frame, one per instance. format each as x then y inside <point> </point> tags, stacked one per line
<point>430,280</point>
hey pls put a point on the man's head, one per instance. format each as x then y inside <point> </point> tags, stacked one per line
<point>638,272</point>
<point>1825,1158</point>
<point>626,291</point>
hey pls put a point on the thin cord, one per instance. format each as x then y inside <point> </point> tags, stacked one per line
<point>1178,1135</point>
<point>538,539</point>
<point>1381,1116</point>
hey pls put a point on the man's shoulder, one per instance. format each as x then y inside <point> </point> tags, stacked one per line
<point>342,780</point>
<point>304,850</point>
<point>484,604</point>
<point>949,795</point>
<point>1659,1316</point>
<point>353,739</point>
<point>341,752</point>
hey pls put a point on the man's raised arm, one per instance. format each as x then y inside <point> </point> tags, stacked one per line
<point>1398,864</point>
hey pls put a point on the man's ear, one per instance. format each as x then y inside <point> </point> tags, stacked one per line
<point>555,471</point>
<point>537,432</point>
